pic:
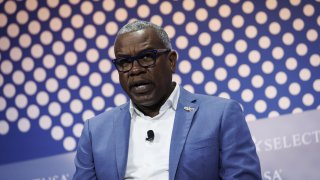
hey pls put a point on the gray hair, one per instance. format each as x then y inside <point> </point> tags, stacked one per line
<point>139,25</point>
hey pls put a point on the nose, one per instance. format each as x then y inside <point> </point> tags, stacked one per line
<point>136,69</point>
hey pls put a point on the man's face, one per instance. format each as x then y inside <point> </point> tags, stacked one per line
<point>146,87</point>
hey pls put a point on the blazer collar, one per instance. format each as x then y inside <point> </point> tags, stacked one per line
<point>122,133</point>
<point>186,110</point>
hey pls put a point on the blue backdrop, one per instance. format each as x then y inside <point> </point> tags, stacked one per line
<point>55,69</point>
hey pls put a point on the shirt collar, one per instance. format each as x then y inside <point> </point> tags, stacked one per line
<point>172,101</point>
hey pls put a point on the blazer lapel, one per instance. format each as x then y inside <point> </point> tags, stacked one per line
<point>184,115</point>
<point>122,133</point>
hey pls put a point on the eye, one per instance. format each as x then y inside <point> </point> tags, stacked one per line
<point>123,61</point>
<point>147,55</point>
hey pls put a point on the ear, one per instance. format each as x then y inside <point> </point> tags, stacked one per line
<point>173,56</point>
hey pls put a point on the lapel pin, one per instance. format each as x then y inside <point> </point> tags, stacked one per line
<point>188,108</point>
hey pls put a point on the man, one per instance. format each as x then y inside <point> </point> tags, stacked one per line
<point>164,132</point>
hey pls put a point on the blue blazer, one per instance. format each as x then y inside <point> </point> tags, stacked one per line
<point>211,141</point>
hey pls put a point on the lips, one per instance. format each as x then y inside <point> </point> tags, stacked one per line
<point>140,86</point>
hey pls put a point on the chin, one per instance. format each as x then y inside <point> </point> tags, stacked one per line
<point>144,100</point>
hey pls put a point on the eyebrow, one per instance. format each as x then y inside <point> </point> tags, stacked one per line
<point>126,55</point>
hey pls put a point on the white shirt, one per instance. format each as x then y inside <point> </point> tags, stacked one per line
<point>150,160</point>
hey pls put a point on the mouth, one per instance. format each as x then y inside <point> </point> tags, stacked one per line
<point>140,87</point>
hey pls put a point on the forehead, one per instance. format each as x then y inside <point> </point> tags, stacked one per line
<point>134,42</point>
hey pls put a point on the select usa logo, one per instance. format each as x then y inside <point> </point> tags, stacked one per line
<point>65,176</point>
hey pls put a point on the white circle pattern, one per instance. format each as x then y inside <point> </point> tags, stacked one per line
<point>58,63</point>
<point>24,125</point>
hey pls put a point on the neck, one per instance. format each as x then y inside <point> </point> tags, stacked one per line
<point>154,110</point>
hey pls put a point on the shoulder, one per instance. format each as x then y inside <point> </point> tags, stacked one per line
<point>210,102</point>
<point>105,119</point>
<point>224,107</point>
<point>212,99</point>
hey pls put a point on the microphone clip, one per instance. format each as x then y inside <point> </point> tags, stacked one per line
<point>150,136</point>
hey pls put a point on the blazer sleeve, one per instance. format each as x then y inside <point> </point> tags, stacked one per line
<point>84,163</point>
<point>238,157</point>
